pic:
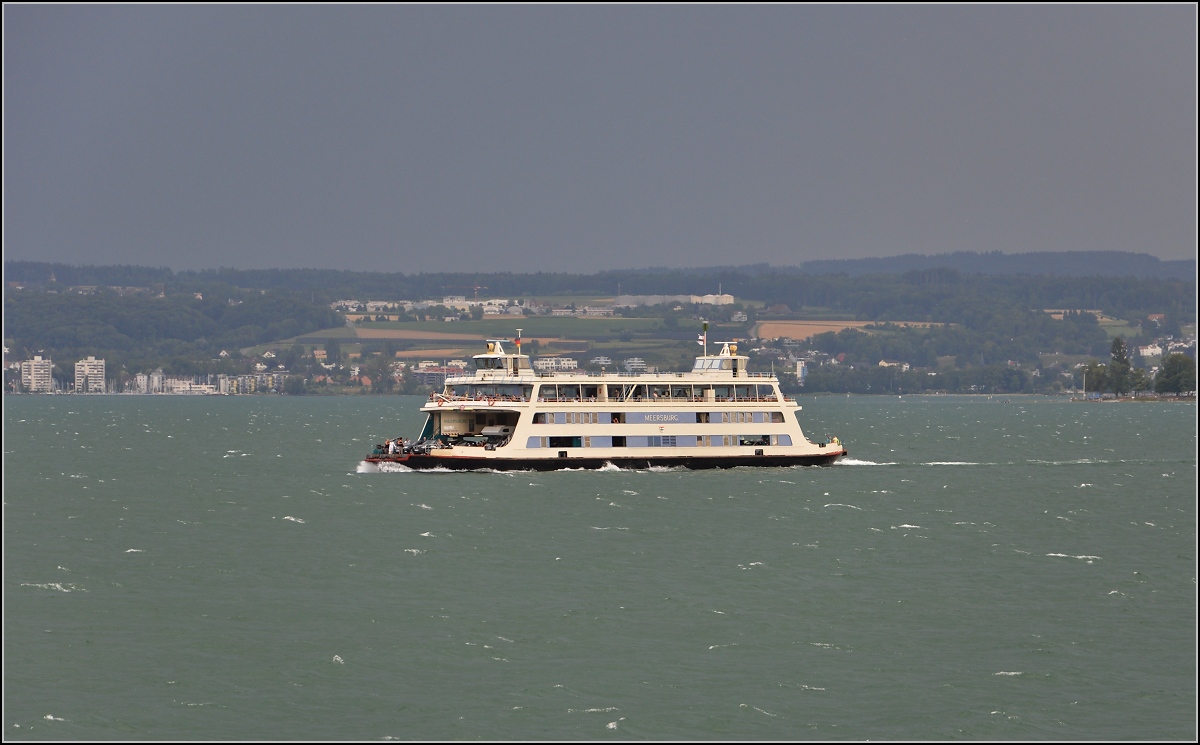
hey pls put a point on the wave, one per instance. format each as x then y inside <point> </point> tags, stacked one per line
<point>955,463</point>
<point>857,462</point>
<point>1076,462</point>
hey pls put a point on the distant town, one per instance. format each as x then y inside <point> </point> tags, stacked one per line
<point>270,375</point>
<point>144,331</point>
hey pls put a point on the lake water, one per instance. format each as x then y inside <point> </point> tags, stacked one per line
<point>220,568</point>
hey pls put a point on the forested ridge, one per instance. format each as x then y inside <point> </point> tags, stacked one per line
<point>935,294</point>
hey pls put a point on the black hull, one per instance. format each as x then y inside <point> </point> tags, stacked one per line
<point>466,463</point>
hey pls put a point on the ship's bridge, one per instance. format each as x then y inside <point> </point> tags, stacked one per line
<point>724,364</point>
<point>497,363</point>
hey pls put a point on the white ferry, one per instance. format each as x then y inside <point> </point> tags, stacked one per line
<point>506,416</point>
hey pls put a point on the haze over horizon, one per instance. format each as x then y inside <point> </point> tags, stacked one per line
<point>583,138</point>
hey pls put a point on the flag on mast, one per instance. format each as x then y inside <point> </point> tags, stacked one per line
<point>703,338</point>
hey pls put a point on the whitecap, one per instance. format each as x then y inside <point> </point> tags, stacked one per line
<point>1005,672</point>
<point>857,462</point>
<point>838,504</point>
<point>69,587</point>
<point>293,519</point>
<point>1069,556</point>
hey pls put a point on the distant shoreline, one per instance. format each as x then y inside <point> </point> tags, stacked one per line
<point>347,391</point>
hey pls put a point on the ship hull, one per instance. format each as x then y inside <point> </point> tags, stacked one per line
<point>468,463</point>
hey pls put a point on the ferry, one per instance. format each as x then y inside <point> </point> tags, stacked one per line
<point>507,416</point>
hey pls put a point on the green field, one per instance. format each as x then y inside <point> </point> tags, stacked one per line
<point>567,327</point>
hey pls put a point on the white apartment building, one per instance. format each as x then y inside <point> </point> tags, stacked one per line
<point>89,375</point>
<point>35,375</point>
<point>552,364</point>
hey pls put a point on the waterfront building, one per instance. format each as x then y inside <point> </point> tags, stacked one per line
<point>89,375</point>
<point>36,375</point>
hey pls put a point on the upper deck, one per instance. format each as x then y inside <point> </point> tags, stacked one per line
<point>499,366</point>
<point>509,379</point>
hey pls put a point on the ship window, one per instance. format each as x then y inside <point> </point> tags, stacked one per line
<point>565,442</point>
<point>618,441</point>
<point>726,364</point>
<point>776,417</point>
<point>533,442</point>
<point>785,440</point>
<point>539,418</point>
<point>702,417</point>
<point>587,442</point>
<point>523,363</point>
<point>618,417</point>
<point>668,441</point>
<point>681,391</point>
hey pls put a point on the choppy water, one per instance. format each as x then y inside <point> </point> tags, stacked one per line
<point>218,568</point>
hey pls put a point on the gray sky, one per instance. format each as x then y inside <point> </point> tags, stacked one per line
<point>583,138</point>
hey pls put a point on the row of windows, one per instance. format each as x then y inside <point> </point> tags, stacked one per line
<point>655,441</point>
<point>668,417</point>
<point>621,392</point>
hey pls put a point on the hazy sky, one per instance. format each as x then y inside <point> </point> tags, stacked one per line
<point>583,138</point>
